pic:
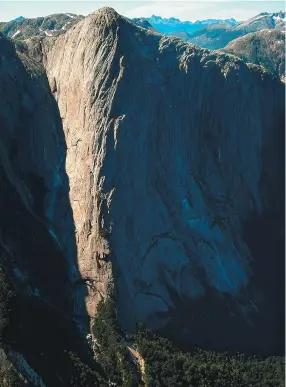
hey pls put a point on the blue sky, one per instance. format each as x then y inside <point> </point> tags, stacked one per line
<point>184,10</point>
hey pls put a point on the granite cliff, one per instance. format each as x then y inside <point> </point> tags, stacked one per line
<point>35,208</point>
<point>175,161</point>
<point>175,188</point>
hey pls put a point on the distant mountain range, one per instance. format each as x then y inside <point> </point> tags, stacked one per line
<point>260,39</point>
<point>172,25</point>
<point>56,24</point>
<point>52,25</point>
<point>217,36</point>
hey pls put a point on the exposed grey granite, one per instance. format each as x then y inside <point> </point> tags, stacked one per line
<point>173,151</point>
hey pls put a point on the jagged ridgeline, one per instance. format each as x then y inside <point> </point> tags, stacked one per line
<point>137,162</point>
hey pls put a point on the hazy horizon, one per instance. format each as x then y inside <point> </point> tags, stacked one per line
<point>184,10</point>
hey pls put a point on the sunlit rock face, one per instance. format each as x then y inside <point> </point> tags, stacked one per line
<point>175,160</point>
<point>37,249</point>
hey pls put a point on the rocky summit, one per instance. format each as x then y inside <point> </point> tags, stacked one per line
<point>152,169</point>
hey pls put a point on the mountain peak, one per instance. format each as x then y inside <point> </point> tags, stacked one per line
<point>107,12</point>
<point>105,16</point>
<point>20,18</point>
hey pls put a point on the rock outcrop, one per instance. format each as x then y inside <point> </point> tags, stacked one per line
<point>176,167</point>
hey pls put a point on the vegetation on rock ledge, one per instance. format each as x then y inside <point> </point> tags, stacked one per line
<point>113,355</point>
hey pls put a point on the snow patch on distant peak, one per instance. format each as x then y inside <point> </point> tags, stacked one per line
<point>69,15</point>
<point>16,33</point>
<point>279,18</point>
<point>64,27</point>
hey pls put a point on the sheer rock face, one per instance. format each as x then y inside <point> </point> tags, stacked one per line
<point>175,161</point>
<point>34,185</point>
<point>36,225</point>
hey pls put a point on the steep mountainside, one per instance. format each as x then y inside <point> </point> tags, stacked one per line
<point>214,36</point>
<point>171,26</point>
<point>36,223</point>
<point>181,35</point>
<point>176,166</point>
<point>52,25</point>
<point>218,36</point>
<point>266,47</point>
<point>263,21</point>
